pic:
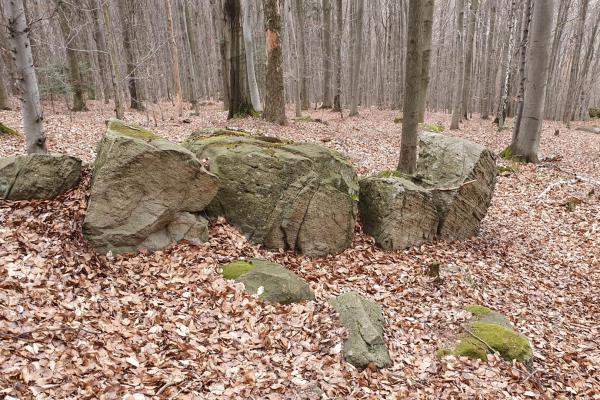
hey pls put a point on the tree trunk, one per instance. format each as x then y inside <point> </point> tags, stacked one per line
<point>356,37</point>
<point>218,19</point>
<point>337,99</point>
<point>489,75</point>
<point>249,49</point>
<point>174,59</point>
<point>522,72</point>
<point>103,64</point>
<point>35,141</point>
<point>468,73</point>
<point>127,9</point>
<point>562,19</point>
<point>302,60</point>
<point>64,15</point>
<point>275,97</point>
<point>413,84</point>
<point>460,66</point>
<point>4,102</point>
<point>569,113</point>
<point>428,8</point>
<point>239,93</point>
<point>526,144</point>
<point>115,71</point>
<point>194,62</point>
<point>326,54</point>
<point>507,59</point>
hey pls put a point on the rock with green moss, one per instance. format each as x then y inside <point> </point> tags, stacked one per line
<point>446,198</point>
<point>364,322</point>
<point>490,332</point>
<point>291,196</point>
<point>37,176</point>
<point>7,130</point>
<point>146,192</point>
<point>274,283</point>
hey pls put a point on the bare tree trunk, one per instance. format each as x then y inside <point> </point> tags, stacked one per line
<point>302,60</point>
<point>587,61</point>
<point>569,113</point>
<point>35,140</point>
<point>326,54</point>
<point>115,71</point>
<point>526,144</point>
<point>408,147</point>
<point>275,97</point>
<point>194,63</point>
<point>337,99</point>
<point>175,60</point>
<point>428,8</point>
<point>563,14</point>
<point>489,81</point>
<point>249,48</point>
<point>65,15</point>
<point>218,19</point>
<point>522,71</point>
<point>100,40</point>
<point>507,59</point>
<point>4,102</point>
<point>127,9</point>
<point>356,56</point>
<point>468,73</point>
<point>460,66</point>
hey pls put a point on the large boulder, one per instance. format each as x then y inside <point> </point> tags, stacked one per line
<point>446,198</point>
<point>37,176</point>
<point>489,332</point>
<point>283,195</point>
<point>270,281</point>
<point>363,320</point>
<point>146,192</point>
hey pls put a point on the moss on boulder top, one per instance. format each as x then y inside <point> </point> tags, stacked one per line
<point>237,268</point>
<point>123,128</point>
<point>489,332</point>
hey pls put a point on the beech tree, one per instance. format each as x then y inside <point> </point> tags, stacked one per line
<point>274,98</point>
<point>327,54</point>
<point>35,140</point>
<point>459,67</point>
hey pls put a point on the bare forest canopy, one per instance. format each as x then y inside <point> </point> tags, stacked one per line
<point>71,42</point>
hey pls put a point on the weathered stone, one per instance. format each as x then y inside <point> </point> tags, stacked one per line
<point>37,176</point>
<point>145,192</point>
<point>363,319</point>
<point>396,212</point>
<point>278,284</point>
<point>590,129</point>
<point>446,199</point>
<point>488,332</point>
<point>283,195</point>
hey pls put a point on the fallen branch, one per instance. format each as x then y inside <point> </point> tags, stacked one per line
<point>556,184</point>
<point>450,189</point>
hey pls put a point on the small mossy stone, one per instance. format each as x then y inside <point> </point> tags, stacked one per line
<point>505,341</point>
<point>237,268</point>
<point>478,310</point>
<point>133,131</point>
<point>6,130</point>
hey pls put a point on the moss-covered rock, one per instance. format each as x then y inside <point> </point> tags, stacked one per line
<point>489,332</point>
<point>146,192</point>
<point>37,176</point>
<point>271,281</point>
<point>6,130</point>
<point>436,128</point>
<point>291,196</point>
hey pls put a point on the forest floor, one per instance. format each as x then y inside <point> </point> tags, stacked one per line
<point>167,325</point>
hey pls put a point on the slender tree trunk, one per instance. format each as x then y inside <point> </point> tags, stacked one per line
<point>468,73</point>
<point>337,99</point>
<point>501,114</point>
<point>194,62</point>
<point>65,15</point>
<point>522,70</point>
<point>174,59</point>
<point>302,59</point>
<point>569,113</point>
<point>127,9</point>
<point>275,97</point>
<point>587,61</point>
<point>413,84</point>
<point>428,7</point>
<point>526,144</point>
<point>489,76</point>
<point>4,102</point>
<point>357,39</point>
<point>249,48</point>
<point>326,54</point>
<point>460,66</point>
<point>35,140</point>
<point>115,71</point>
<point>218,19</point>
<point>103,63</point>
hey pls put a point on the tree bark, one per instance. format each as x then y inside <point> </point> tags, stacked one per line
<point>522,70</point>
<point>302,60</point>
<point>428,8</point>
<point>337,99</point>
<point>35,140</point>
<point>357,36</point>
<point>127,9</point>
<point>115,71</point>
<point>489,75</point>
<point>413,83</point>
<point>326,54</point>
<point>468,73</point>
<point>526,144</point>
<point>174,59</point>
<point>460,66</point>
<point>569,113</point>
<point>275,97</point>
<point>194,63</point>
<point>507,59</point>
<point>75,79</point>
<point>249,49</point>
<point>4,102</point>
<point>219,21</point>
<point>100,40</point>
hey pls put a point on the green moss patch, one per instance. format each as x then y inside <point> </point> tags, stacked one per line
<point>436,128</point>
<point>478,310</point>
<point>513,168</point>
<point>6,130</point>
<point>398,120</point>
<point>508,154</point>
<point>236,269</point>
<point>133,131</point>
<point>390,174</point>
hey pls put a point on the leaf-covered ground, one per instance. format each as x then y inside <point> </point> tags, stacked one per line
<point>74,324</point>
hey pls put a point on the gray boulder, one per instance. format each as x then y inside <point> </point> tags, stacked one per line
<point>146,192</point>
<point>363,319</point>
<point>37,176</point>
<point>293,196</point>
<point>278,284</point>
<point>590,129</point>
<point>446,199</point>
